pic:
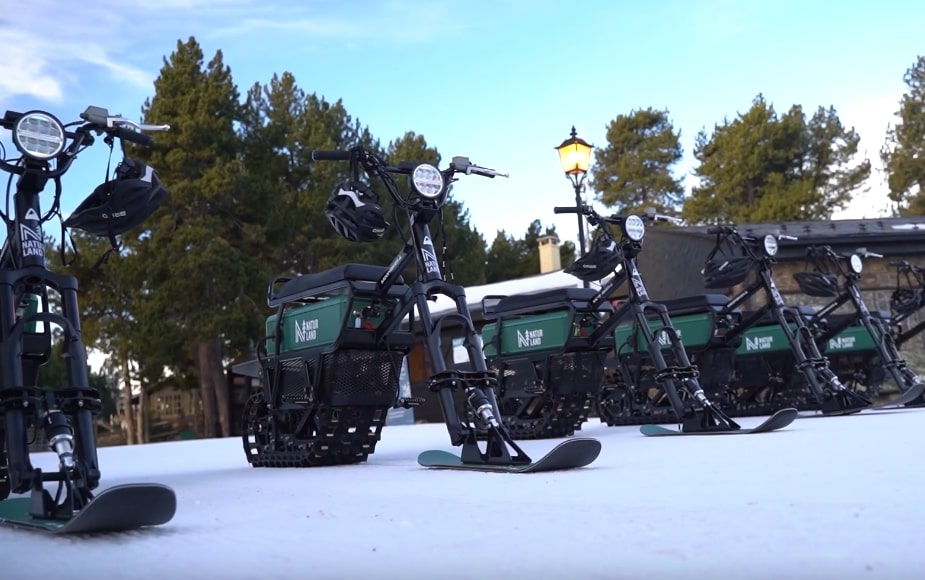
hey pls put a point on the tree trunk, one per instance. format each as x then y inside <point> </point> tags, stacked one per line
<point>220,384</point>
<point>128,429</point>
<point>206,389</point>
<point>142,424</point>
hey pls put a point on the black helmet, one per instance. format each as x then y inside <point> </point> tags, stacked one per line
<point>121,203</point>
<point>601,260</point>
<point>905,301</point>
<point>817,284</point>
<point>725,272</point>
<point>354,213</point>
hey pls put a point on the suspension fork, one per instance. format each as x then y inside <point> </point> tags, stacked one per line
<point>459,432</point>
<point>894,362</point>
<point>18,400</point>
<point>18,404</point>
<point>655,351</point>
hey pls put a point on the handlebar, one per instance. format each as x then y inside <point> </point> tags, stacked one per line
<point>96,120</point>
<point>119,126</point>
<point>462,165</point>
<point>330,156</point>
<point>905,266</point>
<point>376,167</point>
<point>865,254</point>
<point>648,214</point>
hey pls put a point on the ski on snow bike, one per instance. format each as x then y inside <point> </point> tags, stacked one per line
<point>766,358</point>
<point>858,344</point>
<point>329,368</point>
<point>65,414</point>
<point>549,348</point>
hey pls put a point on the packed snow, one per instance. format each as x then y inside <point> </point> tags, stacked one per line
<point>837,497</point>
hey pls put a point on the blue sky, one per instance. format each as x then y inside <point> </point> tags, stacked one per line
<point>500,81</point>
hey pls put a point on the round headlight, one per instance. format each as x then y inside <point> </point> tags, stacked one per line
<point>857,264</point>
<point>634,228</point>
<point>427,180</point>
<point>770,245</point>
<point>38,135</point>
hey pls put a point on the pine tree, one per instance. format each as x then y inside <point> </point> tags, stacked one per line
<point>904,152</point>
<point>199,269</point>
<point>765,167</point>
<point>633,171</point>
<point>510,258</point>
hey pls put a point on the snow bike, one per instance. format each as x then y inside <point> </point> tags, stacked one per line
<point>906,300</point>
<point>859,343</point>
<point>550,347</point>
<point>329,367</point>
<point>767,358</point>
<point>63,415</point>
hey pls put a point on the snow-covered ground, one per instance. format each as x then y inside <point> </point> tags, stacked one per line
<point>825,498</point>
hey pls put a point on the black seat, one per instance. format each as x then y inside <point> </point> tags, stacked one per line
<point>306,282</point>
<point>548,298</point>
<point>695,303</point>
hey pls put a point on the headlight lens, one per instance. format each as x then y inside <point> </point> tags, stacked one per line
<point>857,264</point>
<point>427,180</point>
<point>39,135</point>
<point>770,245</point>
<point>634,228</point>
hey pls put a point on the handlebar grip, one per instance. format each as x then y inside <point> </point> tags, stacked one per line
<point>559,209</point>
<point>330,155</point>
<point>133,136</point>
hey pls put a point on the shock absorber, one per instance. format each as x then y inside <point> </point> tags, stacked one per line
<point>482,406</point>
<point>60,437</point>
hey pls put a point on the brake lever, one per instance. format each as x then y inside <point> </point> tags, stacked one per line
<point>462,165</point>
<point>118,120</point>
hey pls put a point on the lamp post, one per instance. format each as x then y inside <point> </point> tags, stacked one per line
<point>575,157</point>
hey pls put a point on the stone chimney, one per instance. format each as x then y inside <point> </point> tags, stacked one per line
<point>549,254</point>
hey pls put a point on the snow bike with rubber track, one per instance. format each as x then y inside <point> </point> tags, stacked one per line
<point>858,342</point>
<point>549,348</point>
<point>329,366</point>
<point>762,356</point>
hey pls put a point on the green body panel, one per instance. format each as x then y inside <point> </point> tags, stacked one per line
<point>320,323</point>
<point>764,339</point>
<point>537,333</point>
<point>771,339</point>
<point>852,339</point>
<point>695,331</point>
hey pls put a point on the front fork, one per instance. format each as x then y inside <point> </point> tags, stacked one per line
<point>828,390</point>
<point>65,414</point>
<point>478,385</point>
<point>702,415</point>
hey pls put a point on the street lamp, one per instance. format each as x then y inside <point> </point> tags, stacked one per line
<point>575,157</point>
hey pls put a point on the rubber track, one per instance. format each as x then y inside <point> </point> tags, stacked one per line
<point>345,435</point>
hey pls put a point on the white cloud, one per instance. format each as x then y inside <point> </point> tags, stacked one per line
<point>22,71</point>
<point>46,42</point>
<point>395,21</point>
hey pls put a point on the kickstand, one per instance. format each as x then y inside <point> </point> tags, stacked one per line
<point>497,449</point>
